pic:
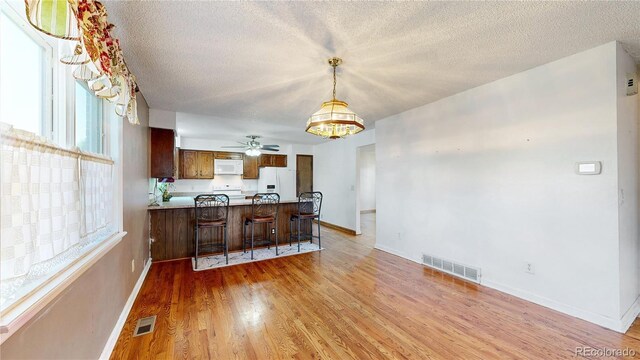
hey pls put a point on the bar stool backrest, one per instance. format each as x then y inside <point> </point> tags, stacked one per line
<point>265,204</point>
<point>310,202</point>
<point>212,207</point>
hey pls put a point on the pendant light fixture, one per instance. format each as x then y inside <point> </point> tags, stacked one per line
<point>334,120</point>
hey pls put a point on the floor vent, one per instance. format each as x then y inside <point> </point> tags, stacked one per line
<point>450,267</point>
<point>145,326</point>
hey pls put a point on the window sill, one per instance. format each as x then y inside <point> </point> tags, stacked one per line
<point>29,307</point>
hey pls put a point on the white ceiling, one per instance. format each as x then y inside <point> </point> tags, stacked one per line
<point>260,67</point>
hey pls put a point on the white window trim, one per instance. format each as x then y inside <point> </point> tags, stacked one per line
<point>29,307</point>
<point>51,71</point>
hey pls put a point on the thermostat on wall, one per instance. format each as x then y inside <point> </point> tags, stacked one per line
<point>589,168</point>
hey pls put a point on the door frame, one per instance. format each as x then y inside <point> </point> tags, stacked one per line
<point>298,156</point>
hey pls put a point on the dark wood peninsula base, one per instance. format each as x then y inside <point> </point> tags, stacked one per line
<point>173,235</point>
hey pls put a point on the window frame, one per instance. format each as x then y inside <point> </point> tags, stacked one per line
<point>49,69</point>
<point>72,120</point>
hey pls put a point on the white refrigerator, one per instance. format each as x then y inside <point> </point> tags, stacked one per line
<point>279,180</point>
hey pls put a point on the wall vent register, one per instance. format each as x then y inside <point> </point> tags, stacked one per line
<point>453,268</point>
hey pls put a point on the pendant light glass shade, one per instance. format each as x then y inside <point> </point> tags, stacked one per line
<point>334,120</point>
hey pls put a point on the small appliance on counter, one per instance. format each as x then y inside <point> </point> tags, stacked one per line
<point>234,192</point>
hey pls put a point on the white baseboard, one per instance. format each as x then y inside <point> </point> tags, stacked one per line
<point>117,329</point>
<point>618,325</point>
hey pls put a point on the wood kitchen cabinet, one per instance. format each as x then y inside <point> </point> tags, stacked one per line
<point>162,147</point>
<point>196,164</point>
<point>250,168</point>
<point>272,160</point>
<point>228,155</point>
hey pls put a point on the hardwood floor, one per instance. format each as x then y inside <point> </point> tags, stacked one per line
<point>347,302</point>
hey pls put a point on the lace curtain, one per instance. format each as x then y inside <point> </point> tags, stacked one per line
<point>56,205</point>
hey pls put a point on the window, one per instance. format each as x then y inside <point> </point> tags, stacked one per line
<point>89,127</point>
<point>26,73</point>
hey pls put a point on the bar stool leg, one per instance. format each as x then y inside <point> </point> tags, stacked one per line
<point>298,234</point>
<point>244,237</point>
<point>196,231</point>
<point>290,229</point>
<point>319,243</point>
<point>252,233</point>
<point>276,222</point>
<point>268,225</point>
<point>226,246</point>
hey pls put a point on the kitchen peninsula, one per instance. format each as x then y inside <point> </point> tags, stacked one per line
<point>172,224</point>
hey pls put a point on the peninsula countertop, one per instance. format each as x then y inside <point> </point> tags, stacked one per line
<point>183,202</point>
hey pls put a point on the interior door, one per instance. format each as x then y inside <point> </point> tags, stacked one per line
<point>304,173</point>
<point>205,165</point>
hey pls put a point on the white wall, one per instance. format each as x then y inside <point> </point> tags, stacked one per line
<point>486,178</point>
<point>628,180</point>
<point>366,160</point>
<point>334,174</point>
<point>162,119</point>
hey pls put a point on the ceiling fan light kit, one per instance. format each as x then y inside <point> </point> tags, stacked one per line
<point>334,120</point>
<point>253,147</point>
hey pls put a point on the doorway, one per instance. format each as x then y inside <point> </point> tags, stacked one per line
<point>366,190</point>
<point>304,173</point>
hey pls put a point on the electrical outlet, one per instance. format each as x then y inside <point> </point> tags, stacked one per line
<point>133,264</point>
<point>529,268</point>
<point>273,230</point>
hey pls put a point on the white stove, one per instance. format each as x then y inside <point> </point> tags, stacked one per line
<point>232,191</point>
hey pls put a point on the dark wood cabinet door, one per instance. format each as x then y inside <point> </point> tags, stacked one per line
<point>205,165</point>
<point>279,160</point>
<point>188,164</point>
<point>250,167</point>
<point>162,152</point>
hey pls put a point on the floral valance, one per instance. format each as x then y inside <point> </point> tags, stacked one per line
<point>97,56</point>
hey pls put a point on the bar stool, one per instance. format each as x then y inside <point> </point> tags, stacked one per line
<point>212,211</point>
<point>264,210</point>
<point>309,205</point>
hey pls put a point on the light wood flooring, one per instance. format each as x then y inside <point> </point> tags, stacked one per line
<point>349,301</point>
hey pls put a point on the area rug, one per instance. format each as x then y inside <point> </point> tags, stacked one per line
<point>237,258</point>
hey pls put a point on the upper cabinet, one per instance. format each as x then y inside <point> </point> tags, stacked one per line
<point>162,147</point>
<point>196,164</point>
<point>224,155</point>
<point>250,167</point>
<point>272,160</point>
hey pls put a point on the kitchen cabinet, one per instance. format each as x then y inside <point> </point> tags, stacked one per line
<point>272,160</point>
<point>162,147</point>
<point>250,167</point>
<point>196,164</point>
<point>205,164</point>
<point>223,155</point>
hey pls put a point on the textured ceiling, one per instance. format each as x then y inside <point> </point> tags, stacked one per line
<point>260,67</point>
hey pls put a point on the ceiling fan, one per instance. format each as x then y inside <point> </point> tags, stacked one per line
<point>253,147</point>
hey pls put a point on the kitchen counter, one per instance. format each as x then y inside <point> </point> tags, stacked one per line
<point>183,202</point>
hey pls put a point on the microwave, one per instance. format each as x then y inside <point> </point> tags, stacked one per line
<point>227,167</point>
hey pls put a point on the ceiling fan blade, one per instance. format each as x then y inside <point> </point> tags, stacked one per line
<point>234,147</point>
<point>265,146</point>
<point>270,149</point>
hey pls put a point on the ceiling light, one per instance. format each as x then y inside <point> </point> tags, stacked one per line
<point>334,120</point>
<point>253,152</point>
